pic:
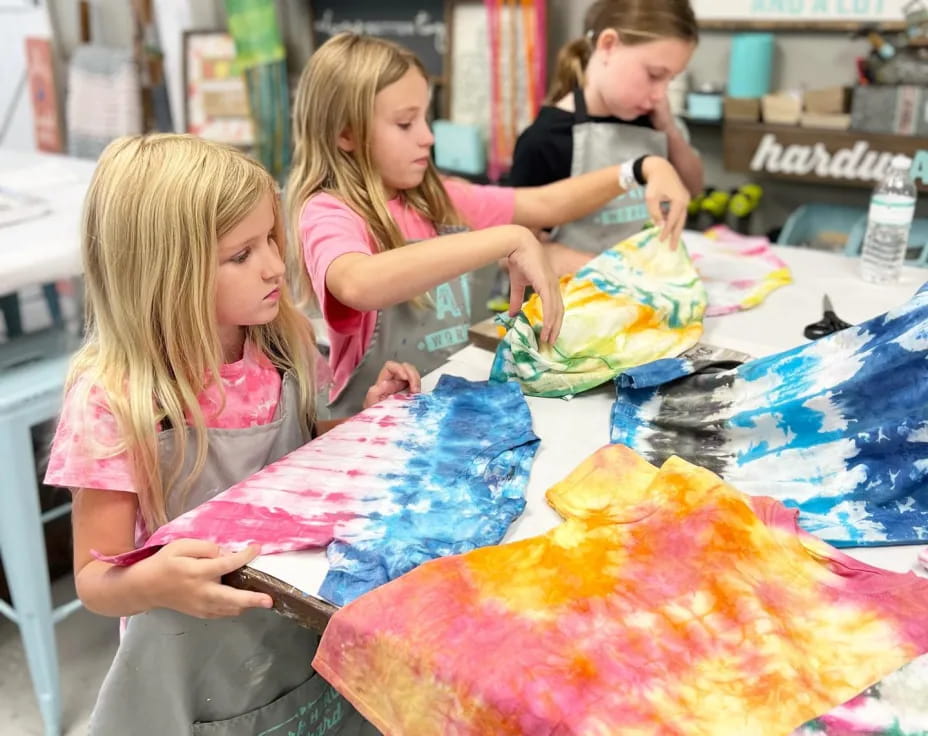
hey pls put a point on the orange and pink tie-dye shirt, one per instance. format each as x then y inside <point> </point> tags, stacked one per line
<point>666,603</point>
<point>82,455</point>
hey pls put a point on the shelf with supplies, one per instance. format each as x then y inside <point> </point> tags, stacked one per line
<point>702,122</point>
<point>815,155</point>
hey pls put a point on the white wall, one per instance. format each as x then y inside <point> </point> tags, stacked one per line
<point>16,23</point>
<point>19,19</point>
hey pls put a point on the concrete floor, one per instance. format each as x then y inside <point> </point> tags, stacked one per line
<point>86,645</point>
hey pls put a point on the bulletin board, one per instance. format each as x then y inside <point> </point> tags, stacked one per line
<point>216,105</point>
<point>838,15</point>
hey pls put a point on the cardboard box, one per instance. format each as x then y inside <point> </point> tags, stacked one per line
<point>742,109</point>
<point>890,109</point>
<point>782,108</point>
<point>828,101</point>
<point>825,121</point>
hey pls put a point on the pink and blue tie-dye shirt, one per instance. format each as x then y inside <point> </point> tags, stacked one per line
<point>410,479</point>
<point>666,603</point>
<point>82,453</point>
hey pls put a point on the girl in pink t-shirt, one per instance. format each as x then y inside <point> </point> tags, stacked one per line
<point>196,372</point>
<point>363,190</point>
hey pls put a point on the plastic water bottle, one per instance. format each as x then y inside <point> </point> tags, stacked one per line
<point>892,207</point>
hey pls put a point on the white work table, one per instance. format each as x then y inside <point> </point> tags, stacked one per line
<point>44,248</point>
<point>572,430</point>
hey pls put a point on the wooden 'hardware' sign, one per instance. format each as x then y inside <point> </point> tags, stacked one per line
<point>799,14</point>
<point>804,154</point>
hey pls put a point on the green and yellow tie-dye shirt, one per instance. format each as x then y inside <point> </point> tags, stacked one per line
<point>636,302</point>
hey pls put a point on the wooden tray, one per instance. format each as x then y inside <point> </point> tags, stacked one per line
<point>486,335</point>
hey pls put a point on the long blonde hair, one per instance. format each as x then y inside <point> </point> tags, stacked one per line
<point>336,94</point>
<point>156,208</point>
<point>636,22</point>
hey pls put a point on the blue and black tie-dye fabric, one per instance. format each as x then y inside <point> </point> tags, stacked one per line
<point>837,428</point>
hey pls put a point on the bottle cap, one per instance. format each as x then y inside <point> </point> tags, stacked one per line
<point>901,161</point>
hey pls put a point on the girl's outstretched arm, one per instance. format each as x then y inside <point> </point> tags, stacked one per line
<point>368,282</point>
<point>571,199</point>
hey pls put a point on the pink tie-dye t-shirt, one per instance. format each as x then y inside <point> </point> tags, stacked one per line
<point>330,229</point>
<point>80,457</point>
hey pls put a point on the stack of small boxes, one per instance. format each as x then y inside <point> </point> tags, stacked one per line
<point>822,108</point>
<point>826,108</point>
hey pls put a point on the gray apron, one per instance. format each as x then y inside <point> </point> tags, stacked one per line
<point>425,336</point>
<point>245,676</point>
<point>597,145</point>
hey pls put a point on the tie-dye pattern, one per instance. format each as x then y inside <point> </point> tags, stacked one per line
<point>837,428</point>
<point>632,304</point>
<point>895,706</point>
<point>666,603</point>
<point>701,358</point>
<point>85,452</point>
<point>739,272</point>
<point>412,478</point>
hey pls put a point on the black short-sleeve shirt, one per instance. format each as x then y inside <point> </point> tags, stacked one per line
<point>545,150</point>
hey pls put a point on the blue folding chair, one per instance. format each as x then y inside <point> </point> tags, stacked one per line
<point>820,225</point>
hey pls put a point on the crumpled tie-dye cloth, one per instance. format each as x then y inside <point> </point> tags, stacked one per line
<point>738,271</point>
<point>634,303</point>
<point>410,479</point>
<point>667,602</point>
<point>895,706</point>
<point>837,428</point>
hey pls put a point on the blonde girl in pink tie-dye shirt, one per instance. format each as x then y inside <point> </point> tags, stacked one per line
<point>197,371</point>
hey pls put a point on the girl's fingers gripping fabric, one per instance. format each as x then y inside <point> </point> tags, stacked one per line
<point>413,378</point>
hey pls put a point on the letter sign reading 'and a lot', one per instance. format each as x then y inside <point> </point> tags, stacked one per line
<point>806,11</point>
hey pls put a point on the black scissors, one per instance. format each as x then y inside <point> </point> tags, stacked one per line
<point>828,324</point>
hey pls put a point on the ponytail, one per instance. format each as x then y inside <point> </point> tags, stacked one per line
<point>568,74</point>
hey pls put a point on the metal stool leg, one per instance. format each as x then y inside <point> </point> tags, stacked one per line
<point>22,546</point>
<point>12,315</point>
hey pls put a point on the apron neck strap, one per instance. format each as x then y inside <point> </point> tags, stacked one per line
<point>580,114</point>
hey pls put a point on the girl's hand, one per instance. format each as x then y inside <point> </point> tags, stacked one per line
<point>529,266</point>
<point>393,378</point>
<point>666,197</point>
<point>185,576</point>
<point>661,116</point>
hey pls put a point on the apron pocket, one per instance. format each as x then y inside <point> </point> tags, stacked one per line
<point>313,708</point>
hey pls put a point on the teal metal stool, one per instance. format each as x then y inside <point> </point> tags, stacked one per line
<point>32,373</point>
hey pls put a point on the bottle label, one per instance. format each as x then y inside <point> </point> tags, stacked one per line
<point>891,209</point>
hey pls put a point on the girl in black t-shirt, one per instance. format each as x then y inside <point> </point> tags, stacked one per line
<point>608,104</point>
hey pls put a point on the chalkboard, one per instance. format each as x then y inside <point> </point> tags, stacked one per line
<point>419,25</point>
